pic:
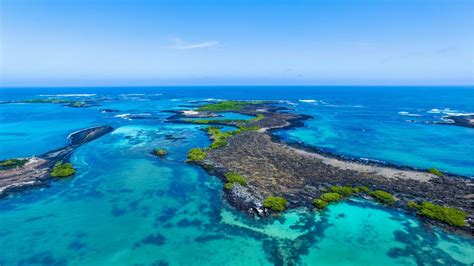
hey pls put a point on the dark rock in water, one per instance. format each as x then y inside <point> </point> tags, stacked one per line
<point>86,135</point>
<point>36,171</point>
<point>173,138</point>
<point>152,239</point>
<point>461,120</point>
<point>109,111</point>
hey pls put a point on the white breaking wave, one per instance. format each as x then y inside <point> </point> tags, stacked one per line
<point>449,112</point>
<point>127,116</point>
<point>214,100</point>
<point>307,101</point>
<point>408,114</point>
<point>458,114</point>
<point>69,95</point>
<point>287,102</point>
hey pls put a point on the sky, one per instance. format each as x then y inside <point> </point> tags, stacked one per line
<point>236,42</point>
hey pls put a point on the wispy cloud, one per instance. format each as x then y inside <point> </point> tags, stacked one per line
<point>181,45</point>
<point>445,50</point>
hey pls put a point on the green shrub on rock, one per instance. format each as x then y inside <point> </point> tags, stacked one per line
<point>320,204</point>
<point>11,163</point>
<point>383,197</point>
<point>235,178</point>
<point>344,191</point>
<point>222,106</point>
<point>62,170</point>
<point>160,152</point>
<point>435,171</point>
<point>413,205</point>
<point>448,215</point>
<point>196,154</point>
<point>275,203</point>
<point>229,185</point>
<point>362,189</point>
<point>330,197</point>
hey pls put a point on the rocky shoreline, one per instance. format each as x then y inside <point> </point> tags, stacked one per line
<point>36,170</point>
<point>300,173</point>
<point>461,120</point>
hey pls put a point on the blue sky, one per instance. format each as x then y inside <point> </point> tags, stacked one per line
<point>236,42</point>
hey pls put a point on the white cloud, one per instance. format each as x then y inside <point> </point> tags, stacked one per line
<point>180,45</point>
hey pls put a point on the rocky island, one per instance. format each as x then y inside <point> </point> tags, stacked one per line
<point>23,173</point>
<point>264,176</point>
<point>461,120</point>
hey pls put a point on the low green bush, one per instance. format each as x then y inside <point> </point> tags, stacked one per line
<point>62,170</point>
<point>222,106</point>
<point>413,205</point>
<point>331,196</point>
<point>344,191</point>
<point>160,152</point>
<point>448,215</point>
<point>235,178</point>
<point>435,171</point>
<point>383,197</point>
<point>196,154</point>
<point>257,118</point>
<point>229,185</point>
<point>275,203</point>
<point>320,204</point>
<point>245,129</point>
<point>11,163</point>
<point>362,189</point>
<point>219,138</point>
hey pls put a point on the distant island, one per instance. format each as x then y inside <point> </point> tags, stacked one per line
<point>264,176</point>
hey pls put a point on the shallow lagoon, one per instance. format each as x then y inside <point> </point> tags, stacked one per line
<point>126,206</point>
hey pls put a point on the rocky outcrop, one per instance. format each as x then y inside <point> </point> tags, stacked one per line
<point>273,168</point>
<point>36,171</point>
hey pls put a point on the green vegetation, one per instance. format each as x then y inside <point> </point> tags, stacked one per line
<point>275,203</point>
<point>62,170</point>
<point>222,106</point>
<point>362,189</point>
<point>219,138</point>
<point>229,185</point>
<point>160,152</point>
<point>435,171</point>
<point>331,196</point>
<point>12,163</point>
<point>383,197</point>
<point>448,215</point>
<point>413,205</point>
<point>77,104</point>
<point>257,118</point>
<point>47,101</point>
<point>235,178</point>
<point>452,216</point>
<point>320,204</point>
<point>245,129</point>
<point>226,106</point>
<point>344,191</point>
<point>337,193</point>
<point>57,101</point>
<point>196,154</point>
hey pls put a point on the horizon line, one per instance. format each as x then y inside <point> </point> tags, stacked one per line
<point>226,85</point>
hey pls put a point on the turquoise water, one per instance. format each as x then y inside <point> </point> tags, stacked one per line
<point>126,207</point>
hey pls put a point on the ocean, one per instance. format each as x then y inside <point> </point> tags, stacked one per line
<point>127,207</point>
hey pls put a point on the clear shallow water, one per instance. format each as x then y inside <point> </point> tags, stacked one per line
<point>127,207</point>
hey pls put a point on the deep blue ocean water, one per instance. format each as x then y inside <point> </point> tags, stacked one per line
<point>125,206</point>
